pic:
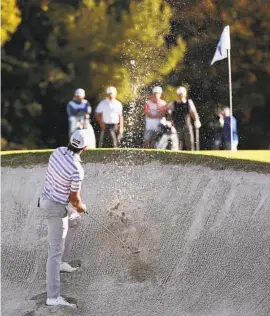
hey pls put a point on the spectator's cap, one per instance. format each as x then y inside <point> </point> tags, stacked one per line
<point>157,89</point>
<point>80,93</point>
<point>111,90</point>
<point>79,139</point>
<point>181,90</point>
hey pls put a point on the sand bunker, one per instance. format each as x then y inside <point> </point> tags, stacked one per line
<point>204,239</point>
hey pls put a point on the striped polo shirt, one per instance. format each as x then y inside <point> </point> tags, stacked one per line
<point>64,174</point>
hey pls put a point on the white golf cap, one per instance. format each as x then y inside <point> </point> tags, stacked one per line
<point>181,90</point>
<point>157,89</point>
<point>79,139</point>
<point>80,93</point>
<point>111,90</point>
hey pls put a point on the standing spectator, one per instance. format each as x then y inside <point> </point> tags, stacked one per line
<point>75,107</point>
<point>109,114</point>
<point>182,112</point>
<point>225,121</point>
<point>155,110</point>
<point>216,131</point>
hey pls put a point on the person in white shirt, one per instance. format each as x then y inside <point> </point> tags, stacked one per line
<point>154,110</point>
<point>109,114</point>
<point>183,112</point>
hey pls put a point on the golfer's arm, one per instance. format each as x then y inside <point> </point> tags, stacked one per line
<point>194,114</point>
<point>76,201</point>
<point>193,111</point>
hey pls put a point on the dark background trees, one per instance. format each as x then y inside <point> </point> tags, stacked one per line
<point>49,48</point>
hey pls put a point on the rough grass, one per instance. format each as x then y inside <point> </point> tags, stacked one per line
<point>257,161</point>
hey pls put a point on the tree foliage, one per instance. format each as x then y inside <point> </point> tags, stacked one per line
<point>49,48</point>
<point>10,19</point>
<point>200,23</point>
<point>101,45</point>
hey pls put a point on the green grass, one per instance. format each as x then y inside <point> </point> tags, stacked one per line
<point>257,161</point>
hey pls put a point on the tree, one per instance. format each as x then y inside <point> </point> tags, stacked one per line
<point>101,44</point>
<point>200,23</point>
<point>10,19</point>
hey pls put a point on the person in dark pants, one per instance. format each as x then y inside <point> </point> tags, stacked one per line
<point>109,114</point>
<point>225,121</point>
<point>182,112</point>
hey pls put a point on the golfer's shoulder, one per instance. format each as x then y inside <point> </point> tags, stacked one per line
<point>59,151</point>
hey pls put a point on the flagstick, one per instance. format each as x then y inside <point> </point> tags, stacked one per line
<point>230,94</point>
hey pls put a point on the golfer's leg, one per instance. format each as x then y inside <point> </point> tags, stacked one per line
<point>147,138</point>
<point>180,134</point>
<point>113,138</point>
<point>57,230</point>
<point>73,224</point>
<point>189,138</point>
<point>101,139</point>
<point>227,145</point>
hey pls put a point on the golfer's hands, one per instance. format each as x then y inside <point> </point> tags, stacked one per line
<point>81,208</point>
<point>197,124</point>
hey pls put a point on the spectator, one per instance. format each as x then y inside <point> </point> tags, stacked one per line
<point>216,132</point>
<point>225,121</point>
<point>155,110</point>
<point>75,107</point>
<point>182,112</point>
<point>109,114</point>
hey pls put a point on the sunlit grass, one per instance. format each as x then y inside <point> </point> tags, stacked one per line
<point>253,155</point>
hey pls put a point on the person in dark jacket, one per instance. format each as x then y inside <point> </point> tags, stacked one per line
<point>182,113</point>
<point>75,107</point>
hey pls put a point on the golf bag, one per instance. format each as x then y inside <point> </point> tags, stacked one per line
<point>83,122</point>
<point>167,138</point>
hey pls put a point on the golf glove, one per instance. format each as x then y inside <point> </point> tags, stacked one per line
<point>73,216</point>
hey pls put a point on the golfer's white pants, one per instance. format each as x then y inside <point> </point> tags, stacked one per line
<point>61,229</point>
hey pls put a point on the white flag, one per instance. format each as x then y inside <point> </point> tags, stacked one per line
<point>223,44</point>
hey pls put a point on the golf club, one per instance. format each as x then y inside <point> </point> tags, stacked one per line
<point>134,250</point>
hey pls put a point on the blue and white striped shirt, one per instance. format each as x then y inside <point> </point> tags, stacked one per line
<point>64,174</point>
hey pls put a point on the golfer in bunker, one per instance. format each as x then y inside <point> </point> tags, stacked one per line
<point>61,202</point>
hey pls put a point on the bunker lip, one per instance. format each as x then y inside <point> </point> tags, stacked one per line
<point>140,157</point>
<point>202,236</point>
